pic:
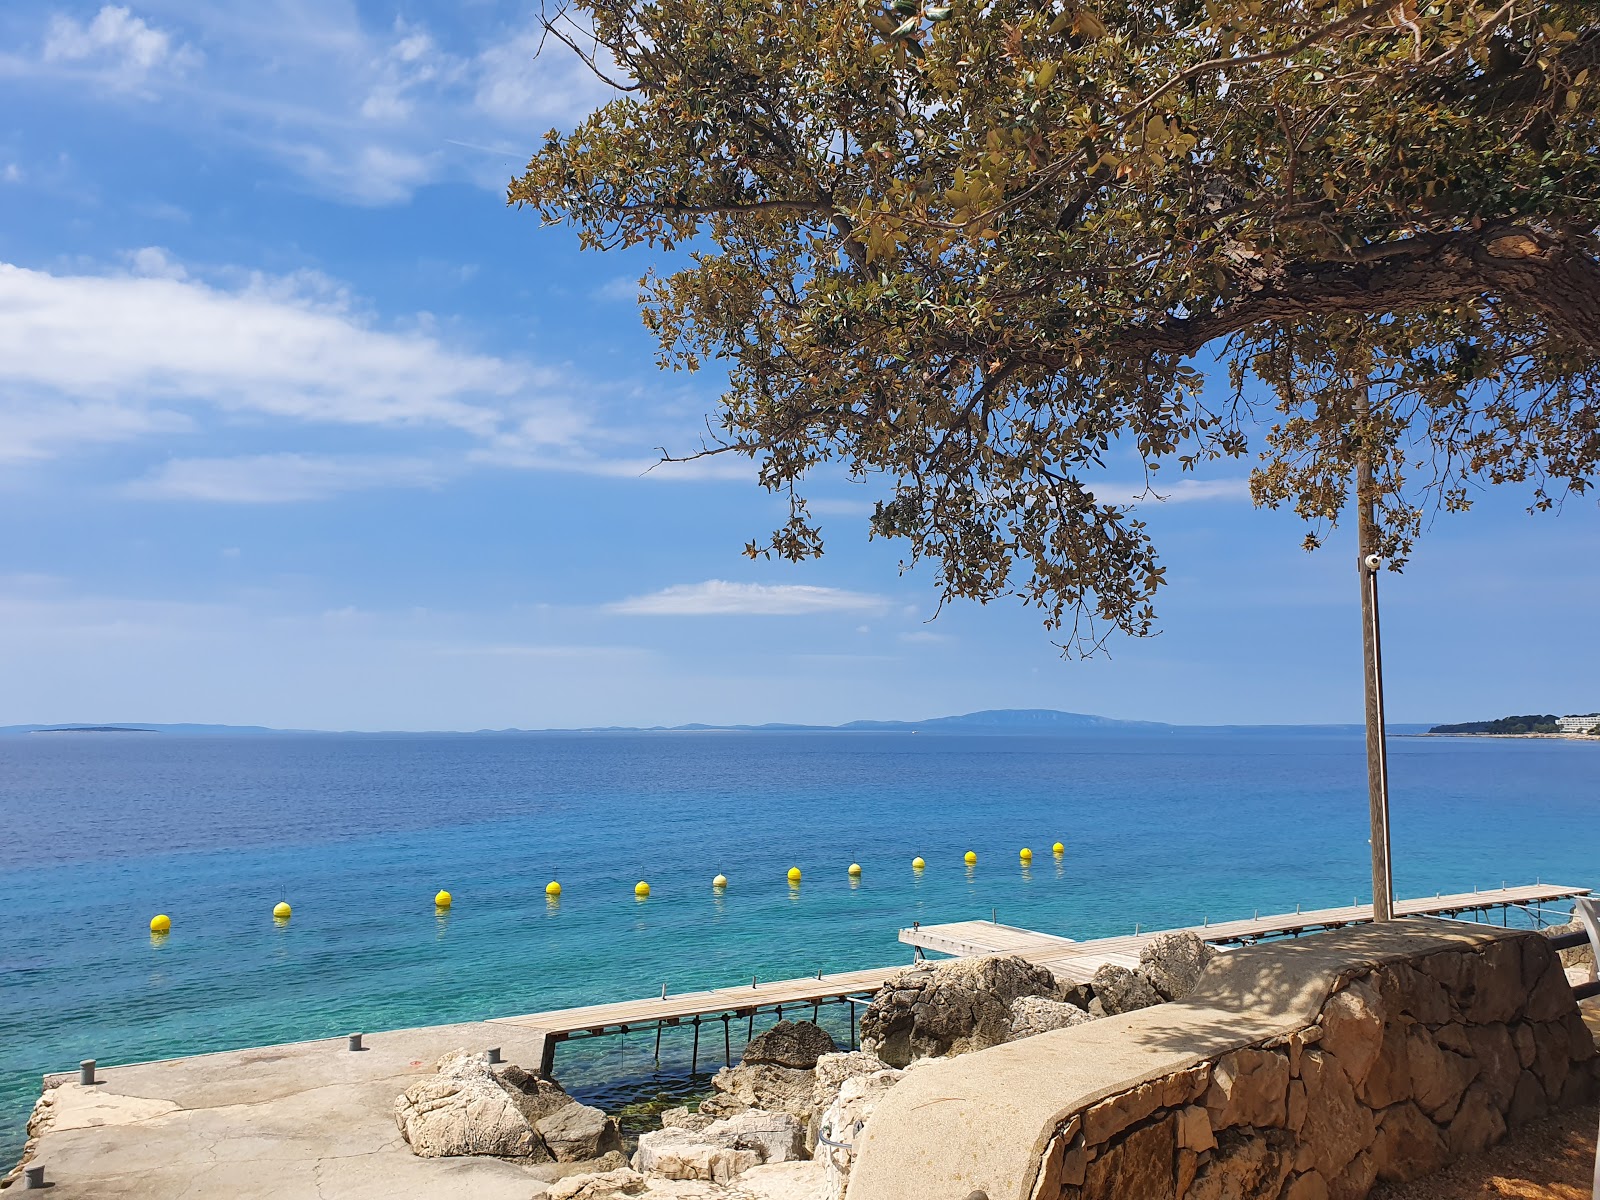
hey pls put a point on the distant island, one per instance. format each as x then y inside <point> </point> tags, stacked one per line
<point>1582,724</point>
<point>996,722</point>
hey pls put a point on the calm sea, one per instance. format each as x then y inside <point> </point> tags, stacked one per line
<point>104,830</point>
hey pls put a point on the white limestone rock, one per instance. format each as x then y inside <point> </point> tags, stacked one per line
<point>846,1117</point>
<point>599,1185</point>
<point>578,1132</point>
<point>1032,1015</point>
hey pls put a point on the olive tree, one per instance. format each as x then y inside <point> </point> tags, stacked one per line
<point>969,250</point>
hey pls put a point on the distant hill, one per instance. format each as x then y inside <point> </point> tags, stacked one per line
<point>998,722</point>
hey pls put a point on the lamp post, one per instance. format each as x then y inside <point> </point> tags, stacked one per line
<point>1370,563</point>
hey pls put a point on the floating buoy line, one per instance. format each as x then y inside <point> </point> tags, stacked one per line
<point>161,923</point>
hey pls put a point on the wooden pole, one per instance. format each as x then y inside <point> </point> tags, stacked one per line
<point>1369,564</point>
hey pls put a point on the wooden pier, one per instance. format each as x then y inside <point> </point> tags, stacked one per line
<point>723,1005</point>
<point>1062,956</point>
<point>1079,961</point>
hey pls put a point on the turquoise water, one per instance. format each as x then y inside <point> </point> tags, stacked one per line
<point>105,830</point>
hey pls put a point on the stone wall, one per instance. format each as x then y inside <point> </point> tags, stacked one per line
<point>1356,1055</point>
<point>1409,1066</point>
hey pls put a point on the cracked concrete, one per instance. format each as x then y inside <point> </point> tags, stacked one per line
<point>310,1121</point>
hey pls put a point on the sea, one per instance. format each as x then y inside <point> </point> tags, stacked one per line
<point>358,832</point>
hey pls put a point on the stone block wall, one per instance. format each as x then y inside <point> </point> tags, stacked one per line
<point>1407,1066</point>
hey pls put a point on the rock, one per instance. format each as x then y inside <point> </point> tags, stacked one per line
<point>843,1122</point>
<point>1528,1101</point>
<point>760,1085</point>
<point>934,1010</point>
<point>1438,1077</point>
<point>578,1132</point>
<point>1249,1087</point>
<point>1408,1145</point>
<point>1477,1124</point>
<point>1141,1164</point>
<point>796,1044</point>
<point>784,1181</point>
<point>831,1072</point>
<point>1336,1125</point>
<point>684,1154</point>
<point>624,1181</point>
<point>1172,962</point>
<point>723,1149</point>
<point>1352,1030</point>
<point>1253,1167</point>
<point>1096,1009</point>
<point>776,1136</point>
<point>1577,956</point>
<point>1388,1080</point>
<point>1498,1066</point>
<point>682,1118</point>
<point>464,1110</point>
<point>1039,1014</point>
<point>551,1172</point>
<point>1120,990</point>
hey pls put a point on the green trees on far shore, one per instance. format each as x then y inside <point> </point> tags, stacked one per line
<point>1540,723</point>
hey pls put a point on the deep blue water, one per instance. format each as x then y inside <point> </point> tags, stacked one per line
<point>104,830</point>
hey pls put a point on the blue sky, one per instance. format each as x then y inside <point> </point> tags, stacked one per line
<point>299,425</point>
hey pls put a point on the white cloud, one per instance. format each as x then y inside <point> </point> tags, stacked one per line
<point>1184,491</point>
<point>124,49</point>
<point>281,478</point>
<point>365,112</point>
<point>289,348</point>
<point>11,173</point>
<point>718,597</point>
<point>925,637</point>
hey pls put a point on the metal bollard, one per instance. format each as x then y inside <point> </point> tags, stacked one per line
<point>494,1054</point>
<point>32,1177</point>
<point>86,1072</point>
<point>355,1042</point>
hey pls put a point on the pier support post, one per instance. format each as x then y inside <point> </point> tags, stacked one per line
<point>694,1054</point>
<point>1370,563</point>
<point>727,1044</point>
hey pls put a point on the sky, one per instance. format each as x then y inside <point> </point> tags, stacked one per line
<point>301,426</point>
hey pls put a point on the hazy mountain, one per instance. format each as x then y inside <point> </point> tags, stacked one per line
<point>999,721</point>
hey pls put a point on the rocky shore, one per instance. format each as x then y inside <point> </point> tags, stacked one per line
<point>782,1123</point>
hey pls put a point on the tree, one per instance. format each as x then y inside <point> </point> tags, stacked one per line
<point>967,249</point>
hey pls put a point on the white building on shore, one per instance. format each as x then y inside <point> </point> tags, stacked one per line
<point>1582,723</point>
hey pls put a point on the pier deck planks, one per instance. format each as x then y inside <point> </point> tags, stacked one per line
<point>1080,960</point>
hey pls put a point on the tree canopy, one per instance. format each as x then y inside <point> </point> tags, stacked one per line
<point>969,250</point>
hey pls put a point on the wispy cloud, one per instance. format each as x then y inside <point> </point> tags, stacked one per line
<point>1183,491</point>
<point>282,478</point>
<point>365,111</point>
<point>718,597</point>
<point>95,358</point>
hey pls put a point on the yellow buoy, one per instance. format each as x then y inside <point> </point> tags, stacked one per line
<point>281,910</point>
<point>641,889</point>
<point>552,888</point>
<point>970,857</point>
<point>442,900</point>
<point>794,874</point>
<point>855,868</point>
<point>1058,848</point>
<point>1025,854</point>
<point>917,864</point>
<point>160,923</point>
<point>721,881</point>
